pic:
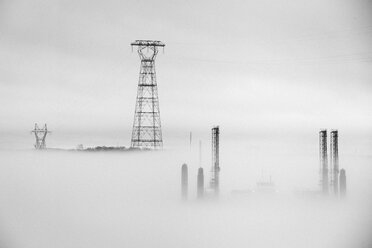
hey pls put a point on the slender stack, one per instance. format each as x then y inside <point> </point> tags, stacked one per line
<point>342,183</point>
<point>337,180</point>
<point>200,185</point>
<point>334,161</point>
<point>184,181</point>
<point>323,160</point>
<point>214,183</point>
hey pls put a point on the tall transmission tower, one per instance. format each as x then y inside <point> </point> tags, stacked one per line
<point>146,131</point>
<point>215,180</point>
<point>323,159</point>
<point>333,147</point>
<point>40,136</point>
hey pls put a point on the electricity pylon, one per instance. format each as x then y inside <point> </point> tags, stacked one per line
<point>146,131</point>
<point>40,135</point>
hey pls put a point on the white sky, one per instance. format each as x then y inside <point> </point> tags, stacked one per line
<point>240,64</point>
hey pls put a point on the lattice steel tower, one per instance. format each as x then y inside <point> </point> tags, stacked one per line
<point>147,126</point>
<point>40,136</point>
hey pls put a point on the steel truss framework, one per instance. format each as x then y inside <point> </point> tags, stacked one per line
<point>146,131</point>
<point>40,136</point>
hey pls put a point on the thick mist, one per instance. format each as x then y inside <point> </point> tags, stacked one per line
<point>133,199</point>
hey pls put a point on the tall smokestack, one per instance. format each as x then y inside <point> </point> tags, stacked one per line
<point>342,183</point>
<point>323,160</point>
<point>184,181</point>
<point>200,191</point>
<point>215,179</point>
<point>190,140</point>
<point>334,173</point>
<point>200,153</point>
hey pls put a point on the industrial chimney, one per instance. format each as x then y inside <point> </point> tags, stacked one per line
<point>200,185</point>
<point>323,160</point>
<point>184,181</point>
<point>334,173</point>
<point>342,183</point>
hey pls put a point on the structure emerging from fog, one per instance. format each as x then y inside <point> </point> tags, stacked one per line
<point>184,181</point>
<point>323,160</point>
<point>214,183</point>
<point>334,183</point>
<point>342,182</point>
<point>333,148</point>
<point>200,183</point>
<point>40,136</point>
<point>147,126</point>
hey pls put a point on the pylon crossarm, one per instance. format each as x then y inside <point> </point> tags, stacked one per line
<point>148,43</point>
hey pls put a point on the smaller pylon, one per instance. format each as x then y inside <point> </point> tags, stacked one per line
<point>200,192</point>
<point>40,135</point>
<point>184,181</point>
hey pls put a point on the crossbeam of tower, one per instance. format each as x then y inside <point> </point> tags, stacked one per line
<point>40,136</point>
<point>146,131</point>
